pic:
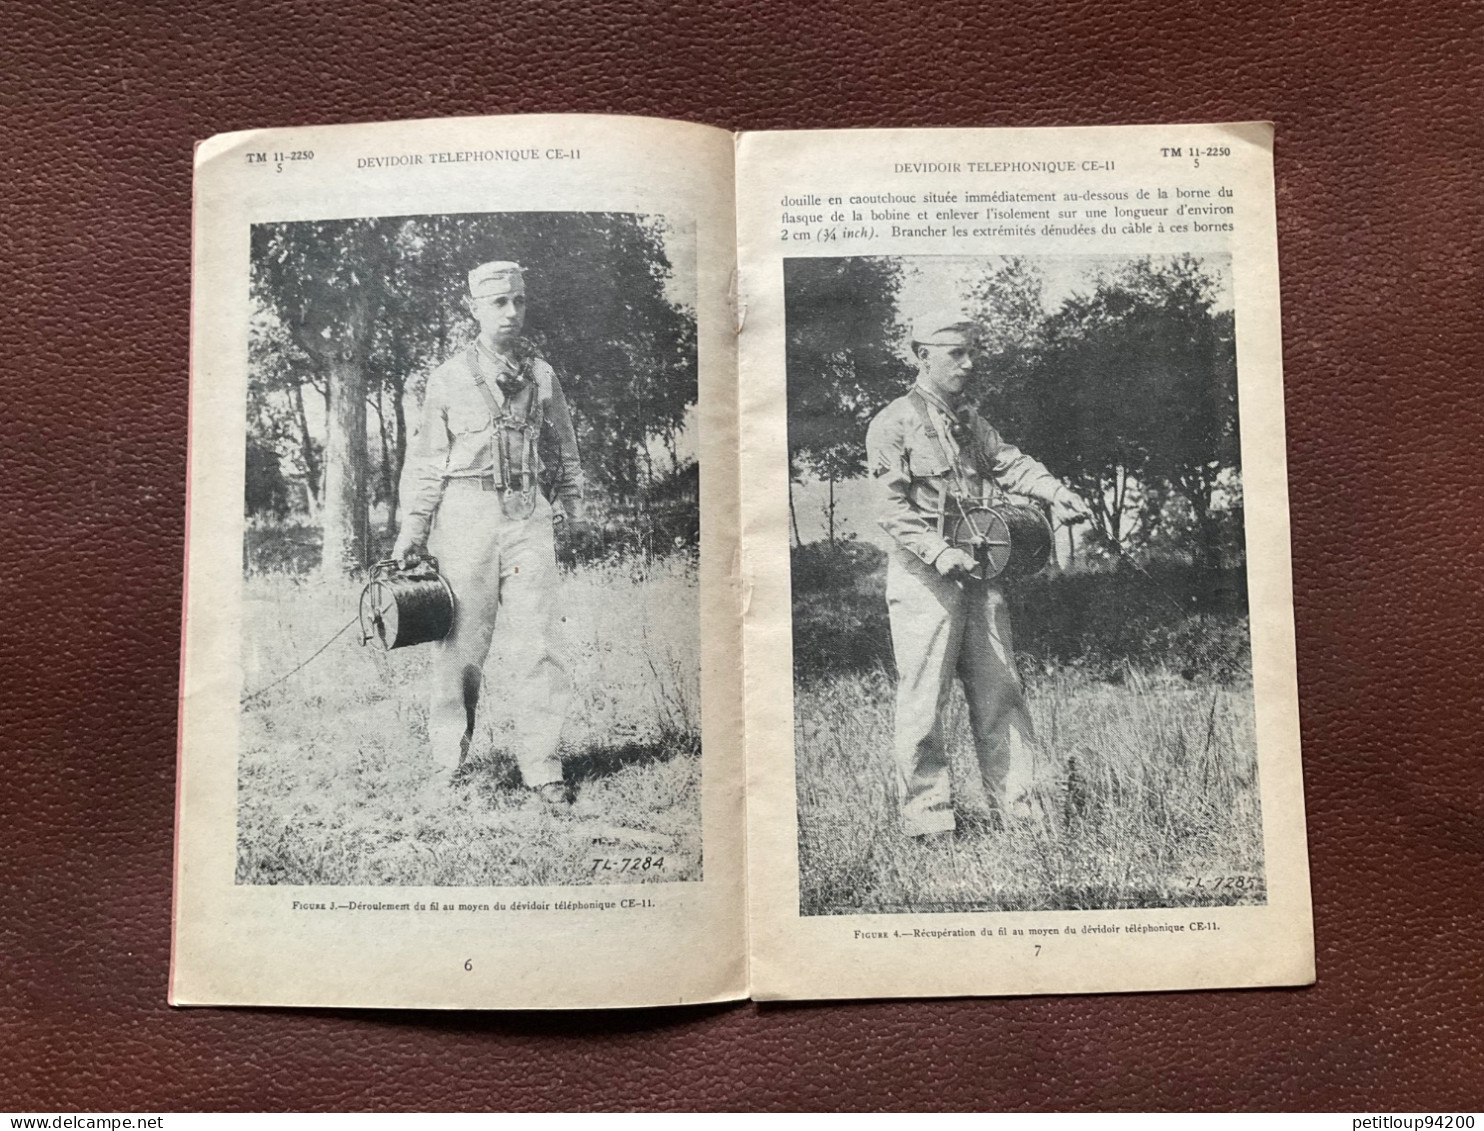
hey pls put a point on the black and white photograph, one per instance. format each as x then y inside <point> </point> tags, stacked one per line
<point>470,630</point>
<point>1022,663</point>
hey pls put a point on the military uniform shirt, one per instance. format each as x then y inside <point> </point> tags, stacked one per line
<point>456,437</point>
<point>917,472</point>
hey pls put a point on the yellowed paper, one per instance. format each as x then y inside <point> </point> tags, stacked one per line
<point>320,858</point>
<point>1120,807</point>
<point>1105,796</point>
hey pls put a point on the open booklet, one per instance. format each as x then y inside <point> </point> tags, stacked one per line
<point>605,538</point>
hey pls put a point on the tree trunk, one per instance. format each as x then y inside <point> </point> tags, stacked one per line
<point>388,483</point>
<point>1198,492</point>
<point>344,516</point>
<point>831,511</point>
<point>306,449</point>
<point>1120,497</point>
<point>399,447</point>
<point>1208,547</point>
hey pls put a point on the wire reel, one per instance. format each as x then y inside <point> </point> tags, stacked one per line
<point>403,607</point>
<point>1006,539</point>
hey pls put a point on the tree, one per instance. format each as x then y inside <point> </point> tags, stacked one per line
<point>1134,392</point>
<point>844,361</point>
<point>267,491</point>
<point>322,278</point>
<point>276,421</point>
<point>367,307</point>
<point>1008,306</point>
<point>1202,445</point>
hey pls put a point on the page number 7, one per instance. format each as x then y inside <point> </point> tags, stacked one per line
<point>1038,950</point>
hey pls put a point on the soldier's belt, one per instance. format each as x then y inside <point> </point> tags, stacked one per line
<point>491,483</point>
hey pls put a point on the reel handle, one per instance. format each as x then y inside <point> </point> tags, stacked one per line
<point>424,565</point>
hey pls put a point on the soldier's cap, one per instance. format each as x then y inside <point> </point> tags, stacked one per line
<point>496,278</point>
<point>944,330</point>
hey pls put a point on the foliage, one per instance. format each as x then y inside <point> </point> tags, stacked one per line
<point>276,421</point>
<point>843,356</point>
<point>1184,619</point>
<point>1143,793</point>
<point>1138,676</point>
<point>1132,391</point>
<point>333,760</point>
<point>839,609</point>
<point>1127,389</point>
<point>1006,304</point>
<point>371,305</point>
<point>267,490</point>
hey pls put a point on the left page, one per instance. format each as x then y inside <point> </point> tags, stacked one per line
<point>460,713</point>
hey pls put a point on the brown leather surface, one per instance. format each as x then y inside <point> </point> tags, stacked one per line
<point>1379,184</point>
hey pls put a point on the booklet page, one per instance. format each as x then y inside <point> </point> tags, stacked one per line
<point>1021,701</point>
<point>460,714</point>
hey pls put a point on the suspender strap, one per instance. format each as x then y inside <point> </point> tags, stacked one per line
<point>494,407</point>
<point>919,402</point>
<point>533,410</point>
<point>954,466</point>
<point>976,450</point>
<point>531,432</point>
<point>488,394</point>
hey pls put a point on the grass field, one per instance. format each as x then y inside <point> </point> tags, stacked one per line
<point>333,759</point>
<point>1146,790</point>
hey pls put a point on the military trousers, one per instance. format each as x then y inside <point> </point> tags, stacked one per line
<point>944,632</point>
<point>503,574</point>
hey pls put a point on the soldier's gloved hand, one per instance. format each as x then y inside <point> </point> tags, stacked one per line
<point>408,553</point>
<point>1068,509</point>
<point>955,563</point>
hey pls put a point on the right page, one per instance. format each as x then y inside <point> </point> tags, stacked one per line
<point>1022,714</point>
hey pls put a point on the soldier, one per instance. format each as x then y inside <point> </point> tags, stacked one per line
<point>471,498</point>
<point>925,449</point>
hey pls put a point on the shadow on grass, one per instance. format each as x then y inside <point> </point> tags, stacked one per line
<point>497,776</point>
<point>603,760</point>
